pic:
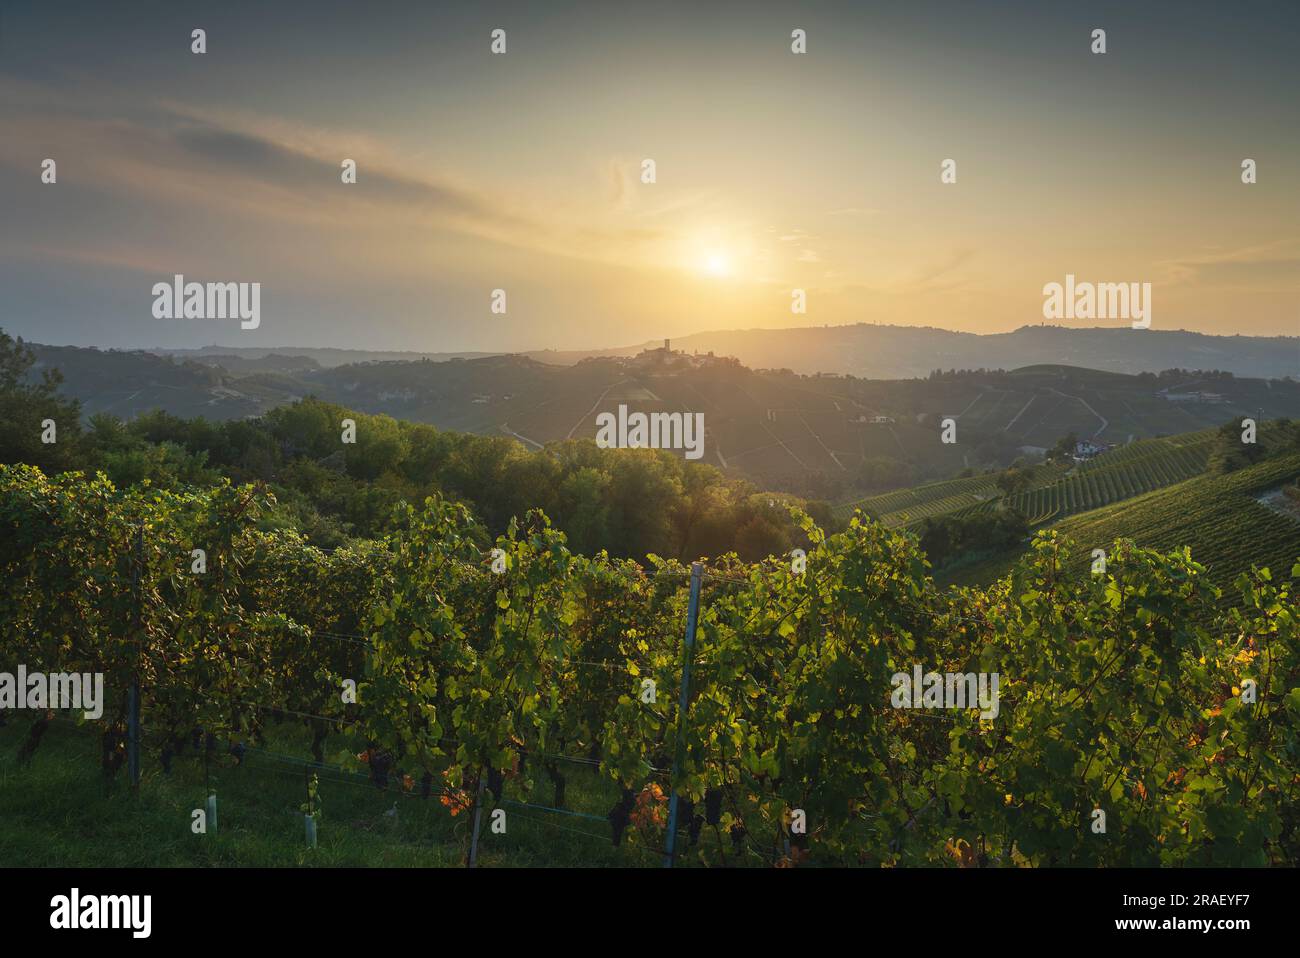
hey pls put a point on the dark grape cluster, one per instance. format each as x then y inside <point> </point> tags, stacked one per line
<point>620,814</point>
<point>380,764</point>
<point>686,817</point>
<point>713,806</point>
<point>738,833</point>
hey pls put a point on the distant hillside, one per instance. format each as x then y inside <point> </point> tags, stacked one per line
<point>824,436</point>
<point>900,352</point>
<point>322,356</point>
<point>126,383</point>
<point>270,363</point>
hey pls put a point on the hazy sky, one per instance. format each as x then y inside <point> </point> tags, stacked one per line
<point>522,171</point>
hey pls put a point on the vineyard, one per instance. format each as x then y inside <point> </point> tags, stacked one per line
<point>1058,491</point>
<point>1216,516</point>
<point>903,507</point>
<point>1121,474</point>
<point>480,666</point>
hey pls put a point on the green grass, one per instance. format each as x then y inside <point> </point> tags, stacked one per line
<point>58,811</point>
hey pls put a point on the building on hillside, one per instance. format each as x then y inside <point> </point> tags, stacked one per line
<point>1086,449</point>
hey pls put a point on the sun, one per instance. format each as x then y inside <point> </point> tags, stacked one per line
<point>716,264</point>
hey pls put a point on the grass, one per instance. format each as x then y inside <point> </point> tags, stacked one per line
<point>60,812</point>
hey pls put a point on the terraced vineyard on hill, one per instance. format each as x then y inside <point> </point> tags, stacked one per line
<point>904,506</point>
<point>1215,515</point>
<point>1060,491</point>
<point>1123,473</point>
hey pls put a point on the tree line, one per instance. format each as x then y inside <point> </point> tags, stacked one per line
<point>629,502</point>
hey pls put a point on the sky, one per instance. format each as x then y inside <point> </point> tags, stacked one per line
<point>522,171</point>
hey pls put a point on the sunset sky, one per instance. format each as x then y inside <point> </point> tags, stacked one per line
<point>522,171</point>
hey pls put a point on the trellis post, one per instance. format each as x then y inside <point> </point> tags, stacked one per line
<point>688,654</point>
<point>133,695</point>
<point>472,860</point>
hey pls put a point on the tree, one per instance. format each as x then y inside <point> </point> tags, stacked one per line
<point>1016,480</point>
<point>1064,448</point>
<point>584,509</point>
<point>761,537</point>
<point>29,406</point>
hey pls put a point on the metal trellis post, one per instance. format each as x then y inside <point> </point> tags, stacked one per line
<point>133,697</point>
<point>688,653</point>
<point>472,861</point>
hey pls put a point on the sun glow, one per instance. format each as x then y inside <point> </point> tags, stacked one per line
<point>716,264</point>
<point>717,253</point>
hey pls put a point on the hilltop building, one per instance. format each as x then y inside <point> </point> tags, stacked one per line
<point>1086,449</point>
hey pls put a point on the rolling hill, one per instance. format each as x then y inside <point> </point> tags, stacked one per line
<point>1220,517</point>
<point>875,351</point>
<point>816,435</point>
<point>1230,521</point>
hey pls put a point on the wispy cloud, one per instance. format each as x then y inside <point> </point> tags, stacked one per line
<point>1274,266</point>
<point>206,163</point>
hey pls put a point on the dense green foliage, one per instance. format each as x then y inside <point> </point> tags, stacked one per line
<point>1119,691</point>
<point>486,642</point>
<point>27,405</point>
<point>947,538</point>
<point>631,502</point>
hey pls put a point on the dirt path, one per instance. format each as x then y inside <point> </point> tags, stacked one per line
<point>594,407</point>
<point>505,427</point>
<point>1104,421</point>
<point>828,449</point>
<point>1008,426</point>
